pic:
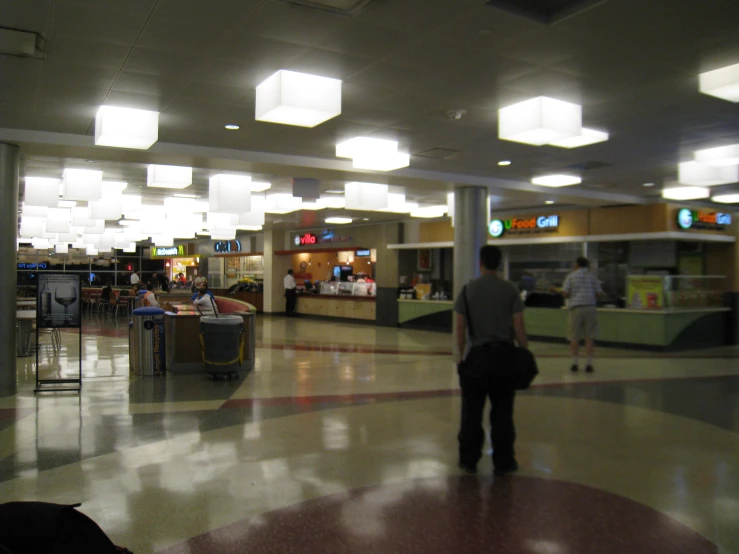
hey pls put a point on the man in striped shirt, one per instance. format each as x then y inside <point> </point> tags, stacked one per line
<point>582,289</point>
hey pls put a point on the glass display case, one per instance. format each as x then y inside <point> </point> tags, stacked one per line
<point>650,292</point>
<point>333,288</point>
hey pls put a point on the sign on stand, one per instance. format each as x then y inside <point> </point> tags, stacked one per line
<point>58,306</point>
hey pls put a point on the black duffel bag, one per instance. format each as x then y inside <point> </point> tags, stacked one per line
<point>499,360</point>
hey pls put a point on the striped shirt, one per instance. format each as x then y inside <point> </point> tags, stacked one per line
<point>582,288</point>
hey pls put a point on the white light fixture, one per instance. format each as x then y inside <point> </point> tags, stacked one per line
<point>106,210</point>
<point>549,202</point>
<point>131,203</point>
<point>586,137</point>
<point>722,83</point>
<point>32,227</point>
<point>338,220</point>
<point>130,249</point>
<point>430,211</point>
<point>685,193</point>
<point>113,189</point>
<point>222,221</point>
<point>450,203</point>
<point>41,244</point>
<point>34,211</point>
<point>539,121</point>
<point>366,196</point>
<point>374,154</point>
<point>66,204</point>
<point>702,175</point>
<point>504,163</point>
<point>83,184</point>
<point>260,186</point>
<point>232,127</point>
<point>311,205</point>
<point>726,198</point>
<point>41,191</point>
<point>229,193</point>
<point>162,240</point>
<point>250,227</point>
<point>251,219</point>
<point>58,220</point>
<point>126,127</point>
<point>169,176</point>
<point>282,203</point>
<point>177,206</point>
<point>67,238</point>
<point>335,202</point>
<point>91,251</point>
<point>293,98</point>
<point>556,180</point>
<point>721,156</point>
<point>61,249</point>
<point>222,234</point>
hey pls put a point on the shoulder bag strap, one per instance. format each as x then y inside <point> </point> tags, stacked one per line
<point>467,312</point>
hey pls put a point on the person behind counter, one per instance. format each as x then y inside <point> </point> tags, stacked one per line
<point>149,299</point>
<point>204,301</point>
<point>291,293</point>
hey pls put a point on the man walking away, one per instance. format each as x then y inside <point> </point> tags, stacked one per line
<point>582,289</point>
<point>496,317</point>
<point>291,294</point>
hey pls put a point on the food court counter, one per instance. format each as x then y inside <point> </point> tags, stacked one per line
<point>435,315</point>
<point>347,307</point>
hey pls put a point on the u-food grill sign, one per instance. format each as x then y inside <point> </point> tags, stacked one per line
<point>694,219</point>
<point>524,226</point>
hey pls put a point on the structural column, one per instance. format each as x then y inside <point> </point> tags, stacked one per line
<point>9,163</point>
<point>470,233</point>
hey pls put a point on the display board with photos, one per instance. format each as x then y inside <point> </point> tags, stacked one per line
<point>58,301</point>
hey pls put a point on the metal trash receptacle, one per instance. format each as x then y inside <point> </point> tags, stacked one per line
<point>221,341</point>
<point>148,339</point>
<point>132,346</point>
<point>248,350</point>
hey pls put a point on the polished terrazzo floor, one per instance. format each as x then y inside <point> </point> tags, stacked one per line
<point>343,439</point>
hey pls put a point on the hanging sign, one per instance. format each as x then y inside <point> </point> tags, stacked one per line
<point>227,246</point>
<point>695,219</point>
<point>326,237</point>
<point>168,251</point>
<point>58,301</point>
<point>524,226</point>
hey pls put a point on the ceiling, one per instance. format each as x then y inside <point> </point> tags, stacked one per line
<point>632,64</point>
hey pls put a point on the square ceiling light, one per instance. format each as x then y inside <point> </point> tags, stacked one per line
<point>106,209</point>
<point>585,138</point>
<point>338,220</point>
<point>126,127</point>
<point>335,202</point>
<point>539,121</point>
<point>299,99</point>
<point>366,196</point>
<point>685,193</point>
<point>83,184</point>
<point>373,154</point>
<point>282,203</point>
<point>556,180</point>
<point>41,191</point>
<point>61,249</point>
<point>169,176</point>
<point>721,156</point>
<point>34,211</point>
<point>58,220</point>
<point>260,186</point>
<point>251,219</point>
<point>722,83</point>
<point>229,194</point>
<point>726,198</point>
<point>430,211</point>
<point>702,175</point>
<point>32,227</point>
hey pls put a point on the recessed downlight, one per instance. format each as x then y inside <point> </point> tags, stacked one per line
<point>648,184</point>
<point>504,163</point>
<point>232,127</point>
<point>338,220</point>
<point>549,202</point>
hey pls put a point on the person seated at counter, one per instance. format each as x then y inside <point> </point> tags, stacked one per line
<point>204,302</point>
<point>149,299</point>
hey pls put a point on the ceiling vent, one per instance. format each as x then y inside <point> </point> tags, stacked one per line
<point>544,11</point>
<point>438,154</point>
<point>588,166</point>
<point>15,42</point>
<point>342,7</point>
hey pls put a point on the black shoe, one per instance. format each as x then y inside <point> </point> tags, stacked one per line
<point>574,368</point>
<point>468,468</point>
<point>589,369</point>
<point>512,468</point>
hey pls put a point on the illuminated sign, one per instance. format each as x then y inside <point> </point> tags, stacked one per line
<point>326,237</point>
<point>694,219</point>
<point>227,246</point>
<point>528,226</point>
<point>42,265</point>
<point>363,253</point>
<point>168,251</point>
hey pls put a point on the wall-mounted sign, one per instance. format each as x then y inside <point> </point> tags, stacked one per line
<point>363,253</point>
<point>326,237</point>
<point>167,251</point>
<point>524,226</point>
<point>42,265</point>
<point>227,246</point>
<point>694,219</point>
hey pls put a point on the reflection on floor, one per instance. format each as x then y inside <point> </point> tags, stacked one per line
<point>343,440</point>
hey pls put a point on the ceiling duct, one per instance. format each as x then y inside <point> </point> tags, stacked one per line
<point>544,11</point>
<point>438,154</point>
<point>342,7</point>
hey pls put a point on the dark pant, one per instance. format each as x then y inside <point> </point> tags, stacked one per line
<point>475,389</point>
<point>291,298</point>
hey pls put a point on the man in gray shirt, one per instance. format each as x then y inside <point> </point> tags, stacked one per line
<point>496,314</point>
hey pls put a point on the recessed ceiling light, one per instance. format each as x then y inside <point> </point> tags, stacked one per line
<point>721,156</point>
<point>556,180</point>
<point>726,198</point>
<point>504,162</point>
<point>293,98</point>
<point>703,175</point>
<point>722,83</point>
<point>333,191</point>
<point>338,220</point>
<point>365,219</point>
<point>685,193</point>
<point>232,127</point>
<point>549,202</point>
<point>126,127</point>
<point>648,184</point>
<point>185,195</point>
<point>585,138</point>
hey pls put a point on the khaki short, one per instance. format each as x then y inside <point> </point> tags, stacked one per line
<point>583,323</point>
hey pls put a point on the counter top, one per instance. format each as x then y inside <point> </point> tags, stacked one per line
<point>338,297</point>
<point>647,311</point>
<point>450,302</point>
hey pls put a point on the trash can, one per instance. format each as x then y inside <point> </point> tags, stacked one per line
<point>249,344</point>
<point>221,341</point>
<point>148,340</point>
<point>132,346</point>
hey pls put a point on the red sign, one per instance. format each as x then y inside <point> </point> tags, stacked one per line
<point>308,238</point>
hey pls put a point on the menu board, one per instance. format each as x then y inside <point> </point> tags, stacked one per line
<point>58,302</point>
<point>645,292</point>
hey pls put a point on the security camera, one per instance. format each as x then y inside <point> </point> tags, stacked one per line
<point>456,115</point>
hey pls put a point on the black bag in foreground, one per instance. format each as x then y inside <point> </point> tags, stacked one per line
<point>499,359</point>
